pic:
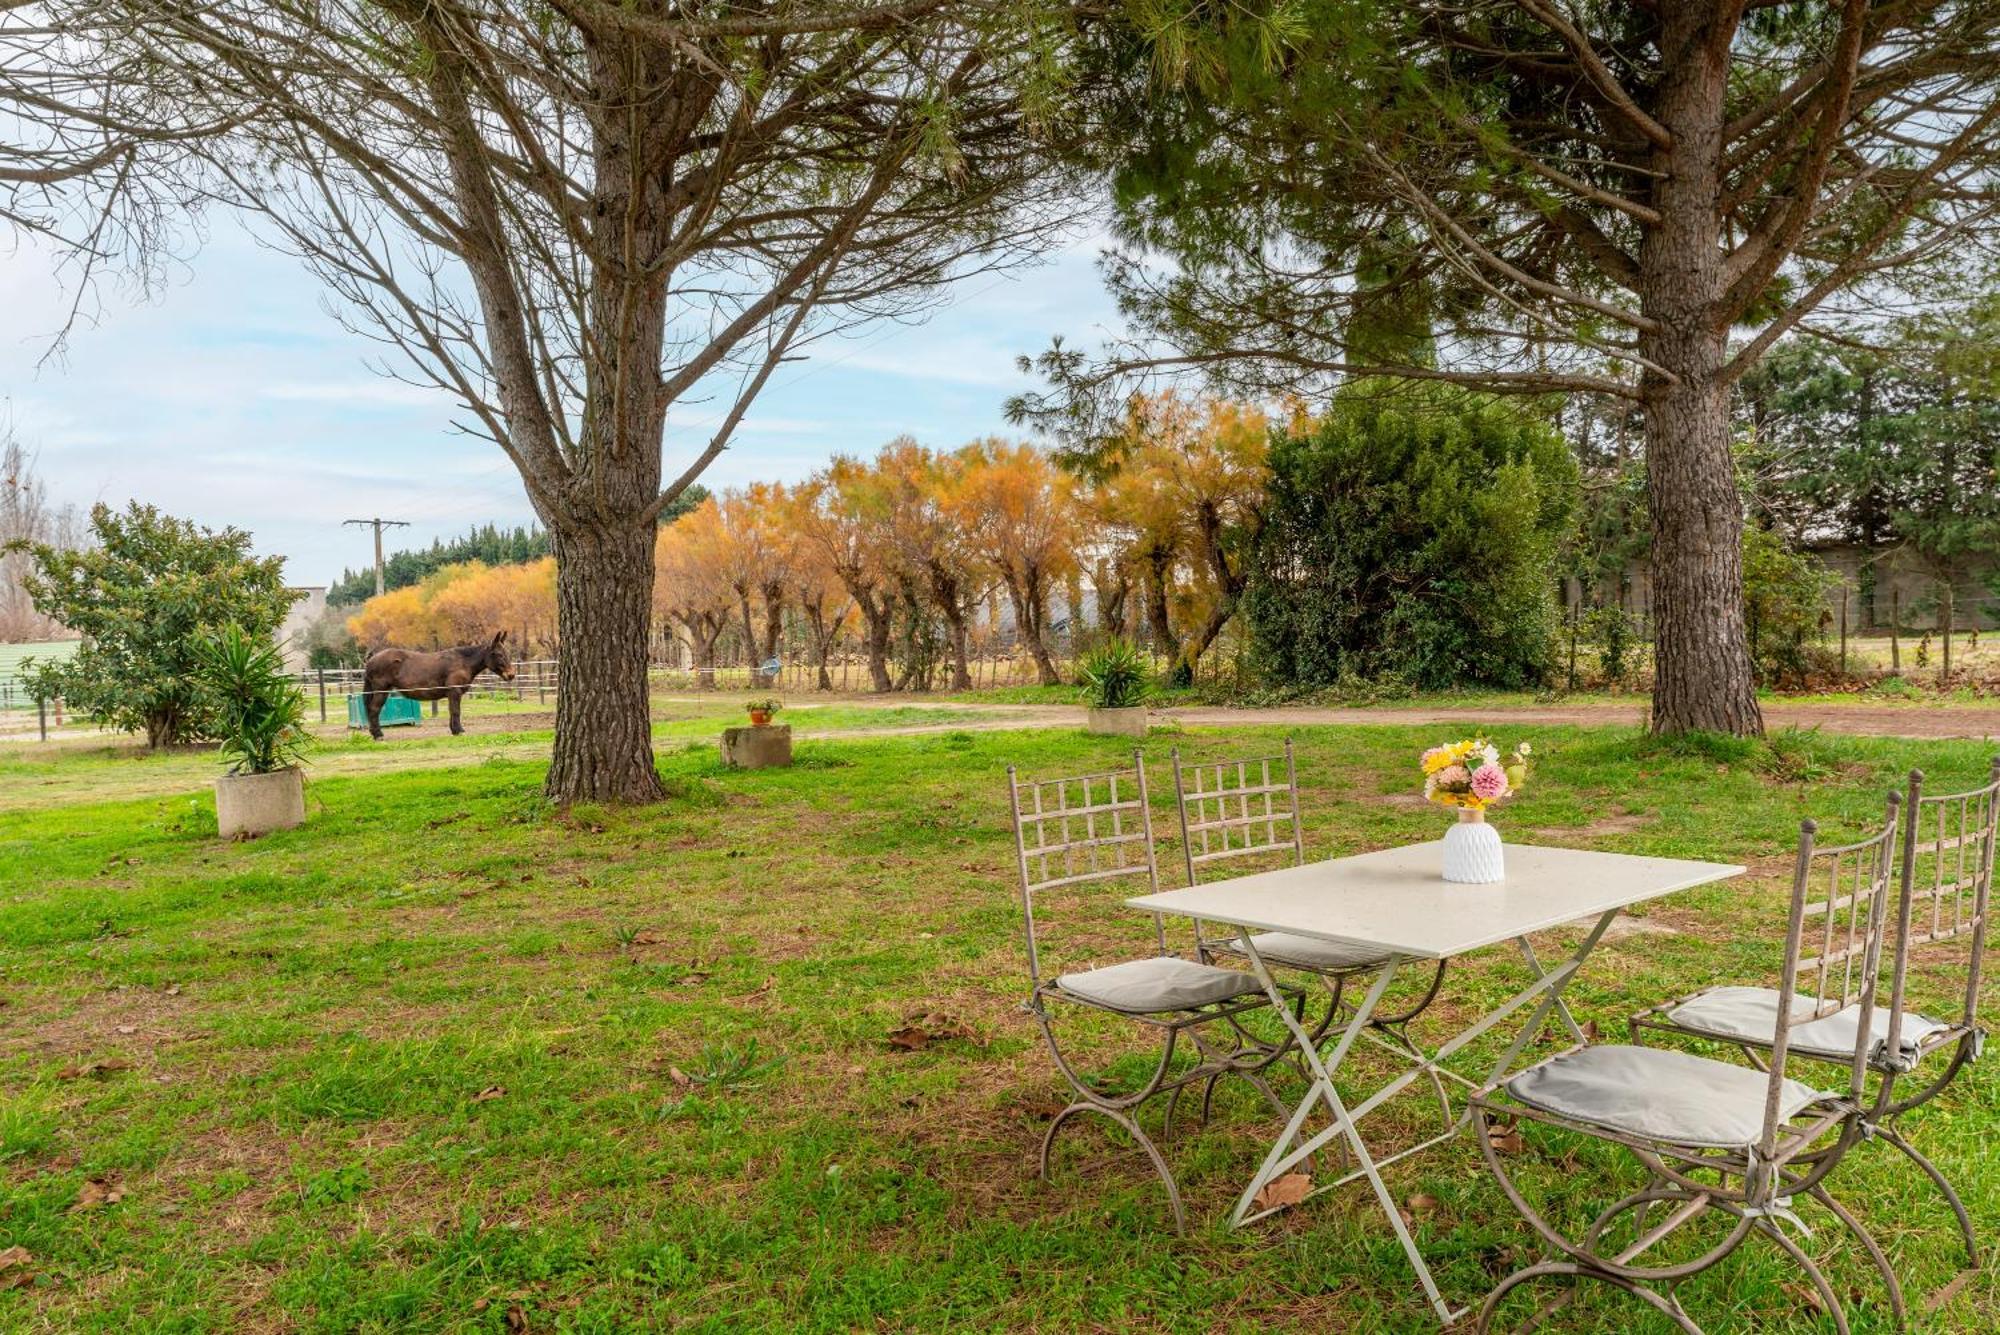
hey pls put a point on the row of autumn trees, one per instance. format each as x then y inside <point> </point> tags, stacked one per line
<point>909,555</point>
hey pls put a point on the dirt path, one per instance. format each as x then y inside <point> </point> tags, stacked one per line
<point>1926,722</point>
<point>134,775</point>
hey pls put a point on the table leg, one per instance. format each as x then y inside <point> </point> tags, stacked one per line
<point>1288,1152</point>
<point>1323,1090</point>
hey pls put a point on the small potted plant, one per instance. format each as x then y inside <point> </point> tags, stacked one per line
<point>1115,685</point>
<point>761,710</point>
<point>260,719</point>
<point>1471,776</point>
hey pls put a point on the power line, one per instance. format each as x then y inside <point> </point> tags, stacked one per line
<point>378,525</point>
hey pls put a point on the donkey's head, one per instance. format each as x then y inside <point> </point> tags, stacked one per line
<point>494,658</point>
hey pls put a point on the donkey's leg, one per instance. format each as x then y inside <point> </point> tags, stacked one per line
<point>371,700</point>
<point>457,694</point>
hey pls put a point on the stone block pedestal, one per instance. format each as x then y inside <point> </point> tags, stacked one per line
<point>757,748</point>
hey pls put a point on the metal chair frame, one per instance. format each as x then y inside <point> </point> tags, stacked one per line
<point>1958,833</point>
<point>1104,837</point>
<point>1264,804</point>
<point>1792,1157</point>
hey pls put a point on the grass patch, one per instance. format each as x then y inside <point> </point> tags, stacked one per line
<point>442,1053</point>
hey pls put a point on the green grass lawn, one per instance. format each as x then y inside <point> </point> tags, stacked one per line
<point>443,1060</point>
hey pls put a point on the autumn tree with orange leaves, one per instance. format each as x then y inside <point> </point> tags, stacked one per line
<point>1022,515</point>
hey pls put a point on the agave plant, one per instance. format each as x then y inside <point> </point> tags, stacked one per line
<point>259,711</point>
<point>1115,675</point>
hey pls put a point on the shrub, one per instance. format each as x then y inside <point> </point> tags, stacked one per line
<point>258,711</point>
<point>1412,533</point>
<point>1784,607</point>
<point>142,596</point>
<point>1115,675</point>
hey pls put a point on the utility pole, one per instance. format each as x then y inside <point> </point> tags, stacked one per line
<point>378,525</point>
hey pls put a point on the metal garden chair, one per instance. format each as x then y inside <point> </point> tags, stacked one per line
<point>1946,879</point>
<point>1086,831</point>
<point>1233,809</point>
<point>1715,1136</point>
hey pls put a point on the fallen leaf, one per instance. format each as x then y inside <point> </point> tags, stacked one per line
<point>763,990</point>
<point>126,1029</point>
<point>517,1320</point>
<point>17,1268</point>
<point>1806,1296</point>
<point>97,1191</point>
<point>490,1093</point>
<point>1423,1205</point>
<point>174,990</point>
<point>1280,1192</point>
<point>103,1068</point>
<point>857,1070</point>
<point>679,1077</point>
<point>932,1027</point>
<point>1506,1139</point>
<point>1590,1031</point>
<point>480,1305</point>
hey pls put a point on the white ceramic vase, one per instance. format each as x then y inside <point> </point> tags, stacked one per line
<point>1472,854</point>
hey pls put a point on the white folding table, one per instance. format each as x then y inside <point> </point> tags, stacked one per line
<point>1398,902</point>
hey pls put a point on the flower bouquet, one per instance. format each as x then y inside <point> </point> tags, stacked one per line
<point>1471,776</point>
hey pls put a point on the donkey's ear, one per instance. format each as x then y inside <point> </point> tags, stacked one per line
<point>499,637</point>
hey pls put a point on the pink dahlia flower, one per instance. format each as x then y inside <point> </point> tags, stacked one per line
<point>1453,776</point>
<point>1489,782</point>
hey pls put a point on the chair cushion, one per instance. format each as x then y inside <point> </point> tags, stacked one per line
<point>1751,1014</point>
<point>1307,952</point>
<point>1658,1093</point>
<point>1165,983</point>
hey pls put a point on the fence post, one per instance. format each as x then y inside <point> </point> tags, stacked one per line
<point>1843,628</point>
<point>1896,630</point>
<point>322,695</point>
<point>1944,631</point>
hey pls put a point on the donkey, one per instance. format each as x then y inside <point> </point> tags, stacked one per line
<point>444,675</point>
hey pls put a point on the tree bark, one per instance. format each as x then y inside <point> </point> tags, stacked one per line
<point>879,620</point>
<point>1027,592</point>
<point>1159,568</point>
<point>946,593</point>
<point>604,740</point>
<point>1703,680</point>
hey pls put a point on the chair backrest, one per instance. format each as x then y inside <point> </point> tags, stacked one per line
<point>1238,808</point>
<point>1947,875</point>
<point>1078,830</point>
<point>1834,936</point>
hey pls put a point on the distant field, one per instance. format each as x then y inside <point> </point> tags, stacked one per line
<point>11,655</point>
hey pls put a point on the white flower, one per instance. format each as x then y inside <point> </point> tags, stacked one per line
<point>1525,749</point>
<point>1490,754</point>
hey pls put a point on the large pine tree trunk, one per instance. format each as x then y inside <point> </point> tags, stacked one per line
<point>1703,679</point>
<point>604,740</point>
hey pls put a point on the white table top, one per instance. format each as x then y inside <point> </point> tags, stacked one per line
<point>1396,899</point>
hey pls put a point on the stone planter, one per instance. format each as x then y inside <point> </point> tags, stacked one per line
<point>768,747</point>
<point>247,805</point>
<point>1129,721</point>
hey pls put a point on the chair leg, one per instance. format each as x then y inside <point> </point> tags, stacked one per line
<point>1873,1248</point>
<point>1966,1235</point>
<point>1660,1302</point>
<point>1132,1129</point>
<point>1829,1300</point>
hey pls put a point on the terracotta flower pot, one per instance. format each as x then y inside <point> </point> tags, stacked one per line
<point>760,718</point>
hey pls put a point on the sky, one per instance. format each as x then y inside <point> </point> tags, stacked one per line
<point>233,397</point>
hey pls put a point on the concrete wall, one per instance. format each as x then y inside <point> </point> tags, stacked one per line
<point>1901,582</point>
